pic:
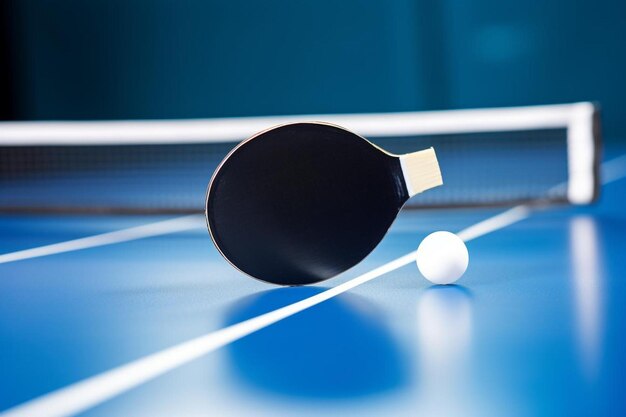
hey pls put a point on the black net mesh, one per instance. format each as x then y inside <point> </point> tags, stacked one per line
<point>492,168</point>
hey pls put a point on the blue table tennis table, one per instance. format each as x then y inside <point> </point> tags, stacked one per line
<point>137,316</point>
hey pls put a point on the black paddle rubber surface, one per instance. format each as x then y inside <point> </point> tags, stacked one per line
<point>303,202</point>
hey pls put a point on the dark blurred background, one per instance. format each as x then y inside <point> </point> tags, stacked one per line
<point>129,59</point>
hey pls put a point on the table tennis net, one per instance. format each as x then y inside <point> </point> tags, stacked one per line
<point>491,157</point>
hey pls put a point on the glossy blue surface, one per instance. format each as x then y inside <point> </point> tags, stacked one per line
<point>536,327</point>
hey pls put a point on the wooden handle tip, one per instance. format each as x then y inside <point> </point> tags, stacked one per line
<point>421,171</point>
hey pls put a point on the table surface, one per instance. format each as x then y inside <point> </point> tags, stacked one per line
<point>535,327</point>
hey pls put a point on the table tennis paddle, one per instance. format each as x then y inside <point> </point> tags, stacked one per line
<point>303,202</point>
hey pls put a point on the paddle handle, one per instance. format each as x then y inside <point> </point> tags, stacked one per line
<point>421,171</point>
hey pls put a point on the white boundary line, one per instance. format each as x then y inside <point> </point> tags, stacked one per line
<point>177,224</point>
<point>95,390</point>
<point>494,223</point>
<point>236,129</point>
<point>614,169</point>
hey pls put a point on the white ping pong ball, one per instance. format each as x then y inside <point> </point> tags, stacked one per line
<point>442,257</point>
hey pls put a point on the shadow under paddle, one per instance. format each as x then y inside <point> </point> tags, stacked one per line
<point>338,349</point>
